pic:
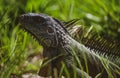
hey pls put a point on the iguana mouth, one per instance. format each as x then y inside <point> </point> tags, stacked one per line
<point>72,51</point>
<point>25,24</point>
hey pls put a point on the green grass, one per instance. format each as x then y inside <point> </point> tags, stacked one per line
<point>17,47</point>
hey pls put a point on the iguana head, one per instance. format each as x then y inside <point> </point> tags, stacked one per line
<point>44,28</point>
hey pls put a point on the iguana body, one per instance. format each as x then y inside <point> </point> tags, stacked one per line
<point>61,49</point>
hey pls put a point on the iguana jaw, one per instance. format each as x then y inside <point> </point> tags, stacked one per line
<point>36,25</point>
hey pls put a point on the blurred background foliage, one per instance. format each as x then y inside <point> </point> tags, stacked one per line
<point>17,47</point>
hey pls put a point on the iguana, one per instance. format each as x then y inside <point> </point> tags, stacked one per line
<point>63,54</point>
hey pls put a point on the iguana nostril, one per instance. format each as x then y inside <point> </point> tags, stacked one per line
<point>24,18</point>
<point>21,18</point>
<point>61,49</point>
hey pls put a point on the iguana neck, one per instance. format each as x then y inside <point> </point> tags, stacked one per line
<point>73,48</point>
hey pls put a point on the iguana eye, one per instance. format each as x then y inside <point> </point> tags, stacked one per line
<point>50,30</point>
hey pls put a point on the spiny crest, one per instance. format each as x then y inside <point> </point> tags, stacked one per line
<point>108,48</point>
<point>91,39</point>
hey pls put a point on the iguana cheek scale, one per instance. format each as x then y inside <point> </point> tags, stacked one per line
<point>61,49</point>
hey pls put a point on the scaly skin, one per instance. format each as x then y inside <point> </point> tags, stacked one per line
<point>60,50</point>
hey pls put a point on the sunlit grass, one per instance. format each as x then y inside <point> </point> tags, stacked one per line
<point>16,46</point>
